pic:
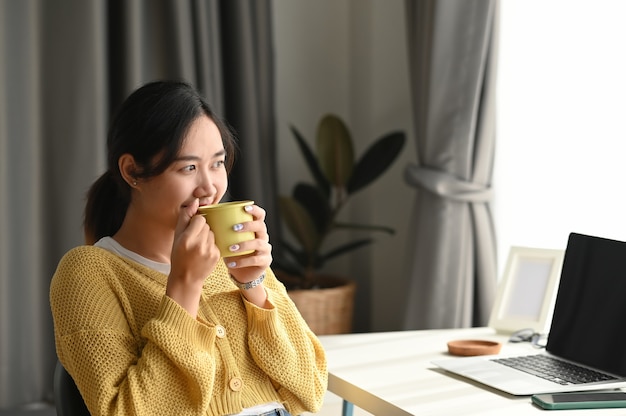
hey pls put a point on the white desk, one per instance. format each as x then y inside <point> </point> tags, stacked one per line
<point>390,373</point>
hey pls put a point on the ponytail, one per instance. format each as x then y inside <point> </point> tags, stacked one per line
<point>107,202</point>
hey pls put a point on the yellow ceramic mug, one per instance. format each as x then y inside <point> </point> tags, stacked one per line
<point>221,218</point>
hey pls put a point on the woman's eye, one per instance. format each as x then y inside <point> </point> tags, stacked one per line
<point>189,168</point>
<point>219,164</point>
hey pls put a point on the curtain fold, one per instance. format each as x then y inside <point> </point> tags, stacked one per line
<point>452,50</point>
<point>66,66</point>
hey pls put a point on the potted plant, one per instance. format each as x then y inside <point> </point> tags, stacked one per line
<point>312,213</point>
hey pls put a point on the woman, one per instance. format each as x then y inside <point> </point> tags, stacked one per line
<point>148,318</point>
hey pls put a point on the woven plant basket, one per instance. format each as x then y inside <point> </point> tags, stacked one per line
<point>328,309</point>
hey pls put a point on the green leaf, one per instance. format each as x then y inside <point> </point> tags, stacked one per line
<point>316,204</point>
<point>346,248</point>
<point>300,223</point>
<point>376,160</point>
<point>364,227</point>
<point>290,259</point>
<point>311,162</point>
<point>334,150</point>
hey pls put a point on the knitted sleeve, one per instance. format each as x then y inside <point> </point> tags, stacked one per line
<point>119,368</point>
<point>282,344</point>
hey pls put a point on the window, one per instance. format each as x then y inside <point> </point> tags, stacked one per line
<point>561,141</point>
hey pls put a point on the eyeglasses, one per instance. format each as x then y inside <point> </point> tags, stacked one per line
<point>536,339</point>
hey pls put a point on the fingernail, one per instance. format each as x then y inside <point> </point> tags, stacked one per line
<point>234,247</point>
<point>248,208</point>
<point>231,264</point>
<point>238,227</point>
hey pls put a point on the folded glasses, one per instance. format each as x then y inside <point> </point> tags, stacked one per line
<point>536,339</point>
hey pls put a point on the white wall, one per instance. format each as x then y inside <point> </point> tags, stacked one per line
<point>561,134</point>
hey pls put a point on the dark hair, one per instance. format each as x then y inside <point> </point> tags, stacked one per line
<point>150,125</point>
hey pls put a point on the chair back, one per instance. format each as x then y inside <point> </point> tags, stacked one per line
<point>67,398</point>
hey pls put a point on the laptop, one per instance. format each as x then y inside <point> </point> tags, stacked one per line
<point>588,327</point>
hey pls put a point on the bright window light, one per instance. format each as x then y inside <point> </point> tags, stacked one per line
<point>561,142</point>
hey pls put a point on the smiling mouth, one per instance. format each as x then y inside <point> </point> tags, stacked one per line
<point>206,203</point>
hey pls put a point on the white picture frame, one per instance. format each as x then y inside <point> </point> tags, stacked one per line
<point>527,291</point>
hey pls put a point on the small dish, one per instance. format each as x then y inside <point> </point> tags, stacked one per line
<point>471,347</point>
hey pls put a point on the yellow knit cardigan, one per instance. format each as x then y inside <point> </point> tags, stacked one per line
<point>134,351</point>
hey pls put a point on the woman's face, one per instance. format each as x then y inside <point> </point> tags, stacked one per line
<point>198,172</point>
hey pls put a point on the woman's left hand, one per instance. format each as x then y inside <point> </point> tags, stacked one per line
<point>249,267</point>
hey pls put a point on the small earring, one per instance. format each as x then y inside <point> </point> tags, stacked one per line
<point>134,183</point>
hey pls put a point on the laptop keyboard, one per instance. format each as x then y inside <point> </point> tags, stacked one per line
<point>553,369</point>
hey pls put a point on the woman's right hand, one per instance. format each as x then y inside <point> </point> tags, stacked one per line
<point>194,256</point>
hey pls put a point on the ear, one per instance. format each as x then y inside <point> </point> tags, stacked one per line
<point>128,169</point>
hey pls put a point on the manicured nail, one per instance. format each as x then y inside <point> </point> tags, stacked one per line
<point>238,227</point>
<point>248,208</point>
<point>231,264</point>
<point>234,247</point>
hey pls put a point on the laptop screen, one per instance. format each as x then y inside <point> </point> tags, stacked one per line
<point>589,321</point>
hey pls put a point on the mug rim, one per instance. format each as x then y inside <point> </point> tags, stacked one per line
<point>224,205</point>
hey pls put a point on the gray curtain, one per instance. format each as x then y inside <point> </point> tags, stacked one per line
<point>247,49</point>
<point>65,65</point>
<point>452,271</point>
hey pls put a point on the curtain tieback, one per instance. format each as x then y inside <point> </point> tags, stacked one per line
<point>446,185</point>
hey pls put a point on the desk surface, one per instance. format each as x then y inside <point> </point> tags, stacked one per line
<point>390,373</point>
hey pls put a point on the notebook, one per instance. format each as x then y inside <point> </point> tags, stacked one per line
<point>588,326</point>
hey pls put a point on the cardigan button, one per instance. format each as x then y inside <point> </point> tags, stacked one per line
<point>235,384</point>
<point>220,331</point>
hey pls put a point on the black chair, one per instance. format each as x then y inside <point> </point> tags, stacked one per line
<point>67,398</point>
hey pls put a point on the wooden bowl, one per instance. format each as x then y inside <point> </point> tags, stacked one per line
<point>471,347</point>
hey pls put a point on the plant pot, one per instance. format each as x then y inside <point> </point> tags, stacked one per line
<point>328,308</point>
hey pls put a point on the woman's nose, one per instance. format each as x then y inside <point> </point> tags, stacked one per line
<point>205,186</point>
